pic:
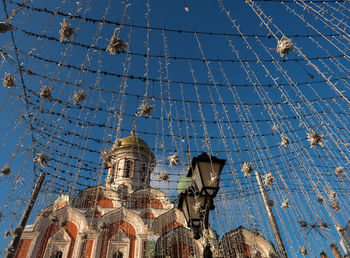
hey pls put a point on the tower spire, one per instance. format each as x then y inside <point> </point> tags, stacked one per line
<point>133,132</point>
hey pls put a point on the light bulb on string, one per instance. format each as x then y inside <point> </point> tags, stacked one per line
<point>187,9</point>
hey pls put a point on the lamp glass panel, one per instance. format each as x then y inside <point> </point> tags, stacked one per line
<point>193,205</point>
<point>185,211</point>
<point>197,178</point>
<point>210,171</point>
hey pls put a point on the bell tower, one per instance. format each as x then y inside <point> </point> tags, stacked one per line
<point>130,163</point>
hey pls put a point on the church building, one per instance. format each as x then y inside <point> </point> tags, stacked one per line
<point>125,218</point>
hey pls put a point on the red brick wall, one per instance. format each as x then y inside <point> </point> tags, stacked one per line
<point>52,229</point>
<point>127,228</point>
<point>23,248</point>
<point>171,226</point>
<point>86,250</point>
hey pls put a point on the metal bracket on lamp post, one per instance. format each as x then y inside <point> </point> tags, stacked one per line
<point>207,253</point>
<point>272,218</point>
<point>13,245</point>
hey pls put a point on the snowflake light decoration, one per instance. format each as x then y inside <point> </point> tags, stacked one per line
<point>53,218</point>
<point>275,127</point>
<point>335,206</point>
<point>247,168</point>
<point>323,225</point>
<point>84,236</point>
<point>339,228</point>
<point>284,46</point>
<point>41,159</point>
<point>116,45</point>
<point>315,139</point>
<point>45,93</point>
<point>8,233</point>
<point>145,109</point>
<point>285,204</point>
<point>79,97</point>
<point>284,142</point>
<point>103,226</point>
<point>320,200</point>
<point>213,179</point>
<point>302,250</point>
<point>339,170</point>
<point>303,224</point>
<point>6,170</point>
<point>173,160</point>
<point>9,81</point>
<point>269,179</point>
<point>197,207</point>
<point>66,31</point>
<point>107,158</point>
<point>332,195</point>
<point>163,176</point>
<point>5,27</point>
<point>63,223</point>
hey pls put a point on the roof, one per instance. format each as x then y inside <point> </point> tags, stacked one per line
<point>131,141</point>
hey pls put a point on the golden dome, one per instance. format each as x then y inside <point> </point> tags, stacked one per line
<point>131,141</point>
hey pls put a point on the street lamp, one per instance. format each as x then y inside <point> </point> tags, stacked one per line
<point>192,205</point>
<point>196,203</point>
<point>205,171</point>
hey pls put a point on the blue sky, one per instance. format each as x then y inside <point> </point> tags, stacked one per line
<point>200,72</point>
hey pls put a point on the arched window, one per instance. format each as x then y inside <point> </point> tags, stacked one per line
<point>118,255</point>
<point>143,172</point>
<point>137,169</point>
<point>113,174</point>
<point>120,168</point>
<point>127,168</point>
<point>57,254</point>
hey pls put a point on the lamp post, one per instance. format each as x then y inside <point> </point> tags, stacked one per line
<point>195,203</point>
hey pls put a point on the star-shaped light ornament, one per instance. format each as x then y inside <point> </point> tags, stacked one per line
<point>116,45</point>
<point>339,170</point>
<point>8,81</point>
<point>84,236</point>
<point>173,160</point>
<point>145,109</point>
<point>269,179</point>
<point>41,159</point>
<point>332,195</point>
<point>5,27</point>
<point>339,228</point>
<point>45,93</point>
<point>6,170</point>
<point>285,204</point>
<point>275,127</point>
<point>163,176</point>
<point>66,31</point>
<point>302,250</point>
<point>320,199</point>
<point>284,142</point>
<point>315,139</point>
<point>284,46</point>
<point>104,226</point>
<point>79,97</point>
<point>214,178</point>
<point>247,168</point>
<point>8,233</point>
<point>197,207</point>
<point>335,206</point>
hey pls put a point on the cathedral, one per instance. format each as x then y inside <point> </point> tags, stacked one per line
<point>125,218</point>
